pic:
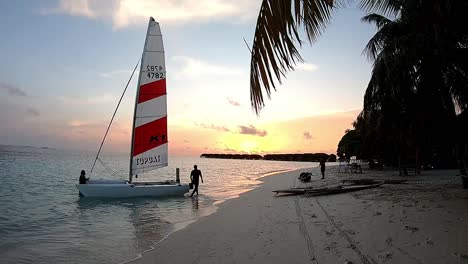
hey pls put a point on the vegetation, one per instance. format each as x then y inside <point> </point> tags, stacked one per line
<point>310,157</point>
<point>418,81</point>
<point>232,156</point>
<point>350,145</point>
<point>417,95</point>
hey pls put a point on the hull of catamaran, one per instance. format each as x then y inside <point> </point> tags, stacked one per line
<point>125,190</point>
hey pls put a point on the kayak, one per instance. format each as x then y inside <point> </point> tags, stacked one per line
<point>340,189</point>
<point>325,191</point>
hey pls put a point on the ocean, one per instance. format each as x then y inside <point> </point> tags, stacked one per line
<point>43,219</point>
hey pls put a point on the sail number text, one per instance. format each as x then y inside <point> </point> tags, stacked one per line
<point>148,160</point>
<point>155,71</point>
<point>155,75</point>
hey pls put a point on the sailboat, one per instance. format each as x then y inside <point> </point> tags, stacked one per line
<point>149,144</point>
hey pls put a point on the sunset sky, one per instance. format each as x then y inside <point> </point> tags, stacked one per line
<point>64,65</point>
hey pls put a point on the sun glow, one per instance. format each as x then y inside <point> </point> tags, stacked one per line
<point>249,146</point>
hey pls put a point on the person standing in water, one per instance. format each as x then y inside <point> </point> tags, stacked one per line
<point>322,168</point>
<point>194,176</point>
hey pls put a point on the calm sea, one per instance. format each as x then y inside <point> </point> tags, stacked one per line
<point>43,220</point>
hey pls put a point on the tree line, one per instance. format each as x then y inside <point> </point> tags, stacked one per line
<point>415,104</point>
<point>309,157</point>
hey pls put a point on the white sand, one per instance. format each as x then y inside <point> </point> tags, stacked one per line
<point>423,221</point>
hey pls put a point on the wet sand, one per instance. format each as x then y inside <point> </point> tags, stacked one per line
<point>422,221</point>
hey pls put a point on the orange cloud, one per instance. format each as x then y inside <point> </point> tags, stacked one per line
<point>283,137</point>
<point>327,130</point>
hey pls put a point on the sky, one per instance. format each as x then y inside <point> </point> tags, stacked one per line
<point>64,65</point>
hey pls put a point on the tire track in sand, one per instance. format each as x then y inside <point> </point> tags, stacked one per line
<point>303,229</point>
<point>364,258</point>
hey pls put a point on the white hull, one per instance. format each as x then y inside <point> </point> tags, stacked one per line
<point>125,190</point>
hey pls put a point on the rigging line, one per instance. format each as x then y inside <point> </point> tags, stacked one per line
<point>112,119</point>
<point>108,167</point>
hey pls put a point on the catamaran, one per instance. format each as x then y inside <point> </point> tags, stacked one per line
<point>149,145</point>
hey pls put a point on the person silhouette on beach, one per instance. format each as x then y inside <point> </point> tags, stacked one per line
<point>322,168</point>
<point>194,176</point>
<point>83,179</point>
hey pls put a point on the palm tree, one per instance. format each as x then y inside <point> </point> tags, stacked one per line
<point>418,79</point>
<point>390,95</point>
<point>274,51</point>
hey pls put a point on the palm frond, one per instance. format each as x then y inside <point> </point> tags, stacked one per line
<point>378,20</point>
<point>387,30</point>
<point>386,7</point>
<point>274,51</point>
<point>315,13</point>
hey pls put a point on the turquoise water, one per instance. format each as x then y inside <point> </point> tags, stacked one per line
<point>43,220</point>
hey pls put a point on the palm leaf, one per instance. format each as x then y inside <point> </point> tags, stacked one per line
<point>387,30</point>
<point>276,39</point>
<point>377,19</point>
<point>386,7</point>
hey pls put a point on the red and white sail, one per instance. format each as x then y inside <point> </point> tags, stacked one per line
<point>149,141</point>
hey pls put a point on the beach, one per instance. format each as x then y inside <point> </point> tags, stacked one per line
<point>424,220</point>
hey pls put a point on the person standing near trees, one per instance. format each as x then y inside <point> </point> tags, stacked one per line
<point>322,167</point>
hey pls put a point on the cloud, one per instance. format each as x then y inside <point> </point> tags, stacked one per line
<point>251,130</point>
<point>32,111</point>
<point>114,73</point>
<point>307,67</point>
<point>211,126</point>
<point>191,68</point>
<point>71,7</point>
<point>124,13</point>
<point>12,90</point>
<point>307,135</point>
<point>232,101</point>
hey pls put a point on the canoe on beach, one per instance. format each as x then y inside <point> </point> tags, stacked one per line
<point>292,191</point>
<point>325,191</point>
<point>340,189</point>
<point>346,186</point>
<point>373,181</point>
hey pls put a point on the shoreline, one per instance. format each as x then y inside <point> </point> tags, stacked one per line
<point>212,210</point>
<point>145,257</point>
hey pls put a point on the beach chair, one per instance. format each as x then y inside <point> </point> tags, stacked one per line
<point>343,166</point>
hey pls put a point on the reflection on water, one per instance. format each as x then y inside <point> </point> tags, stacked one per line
<point>195,202</point>
<point>44,220</point>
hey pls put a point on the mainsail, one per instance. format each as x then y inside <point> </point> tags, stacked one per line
<point>149,136</point>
